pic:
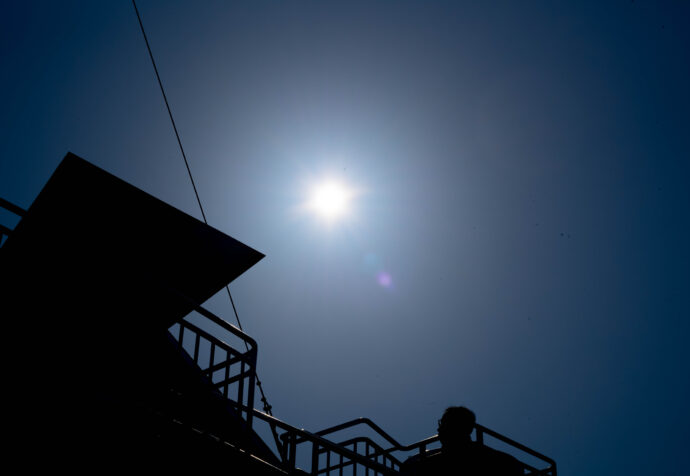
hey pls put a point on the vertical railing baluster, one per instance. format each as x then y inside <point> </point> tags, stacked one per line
<point>354,463</point>
<point>314,458</point>
<point>227,376</point>
<point>366,452</point>
<point>212,358</point>
<point>251,390</point>
<point>293,450</point>
<point>340,473</point>
<point>197,344</point>
<point>240,388</point>
<point>282,444</point>
<point>181,335</point>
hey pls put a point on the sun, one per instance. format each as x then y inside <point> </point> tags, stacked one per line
<point>330,200</point>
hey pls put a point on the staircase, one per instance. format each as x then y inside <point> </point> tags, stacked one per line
<point>319,452</point>
<point>118,366</point>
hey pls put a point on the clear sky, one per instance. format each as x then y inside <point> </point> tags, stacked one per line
<point>519,238</point>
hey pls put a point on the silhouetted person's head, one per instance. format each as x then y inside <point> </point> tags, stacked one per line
<point>455,426</point>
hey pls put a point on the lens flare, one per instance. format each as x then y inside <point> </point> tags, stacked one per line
<point>385,279</point>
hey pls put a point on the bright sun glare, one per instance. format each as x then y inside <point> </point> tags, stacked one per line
<point>330,200</point>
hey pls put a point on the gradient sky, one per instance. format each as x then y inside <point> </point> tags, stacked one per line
<point>523,169</point>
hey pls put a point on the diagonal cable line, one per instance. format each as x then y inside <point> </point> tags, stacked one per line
<point>267,407</point>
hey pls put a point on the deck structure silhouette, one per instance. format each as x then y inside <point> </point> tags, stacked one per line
<point>106,370</point>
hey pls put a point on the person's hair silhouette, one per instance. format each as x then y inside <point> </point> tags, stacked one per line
<point>455,427</point>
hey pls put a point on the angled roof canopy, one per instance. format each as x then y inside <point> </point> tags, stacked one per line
<point>99,247</point>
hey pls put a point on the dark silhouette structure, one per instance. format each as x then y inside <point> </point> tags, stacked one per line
<point>93,276</point>
<point>111,362</point>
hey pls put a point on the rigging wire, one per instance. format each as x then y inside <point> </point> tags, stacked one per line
<point>267,407</point>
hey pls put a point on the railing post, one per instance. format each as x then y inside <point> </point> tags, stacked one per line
<point>227,376</point>
<point>212,359</point>
<point>250,394</point>
<point>366,452</point>
<point>354,463</point>
<point>292,450</point>
<point>240,387</point>
<point>314,458</point>
<point>197,344</point>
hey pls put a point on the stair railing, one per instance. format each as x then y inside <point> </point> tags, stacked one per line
<point>11,207</point>
<point>223,365</point>
<point>326,456</point>
<point>421,446</point>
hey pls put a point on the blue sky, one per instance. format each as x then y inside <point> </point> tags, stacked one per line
<point>523,169</point>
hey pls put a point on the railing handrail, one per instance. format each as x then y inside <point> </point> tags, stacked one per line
<point>361,421</point>
<point>17,210</point>
<point>301,435</point>
<point>314,438</point>
<point>5,231</point>
<point>226,326</point>
<point>515,444</point>
<point>247,358</point>
<point>397,446</point>
<point>379,451</point>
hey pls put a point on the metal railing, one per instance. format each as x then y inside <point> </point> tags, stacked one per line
<point>550,470</point>
<point>421,446</point>
<point>325,456</point>
<point>369,448</point>
<point>231,372</point>
<point>371,451</point>
<point>226,368</point>
<point>11,207</point>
